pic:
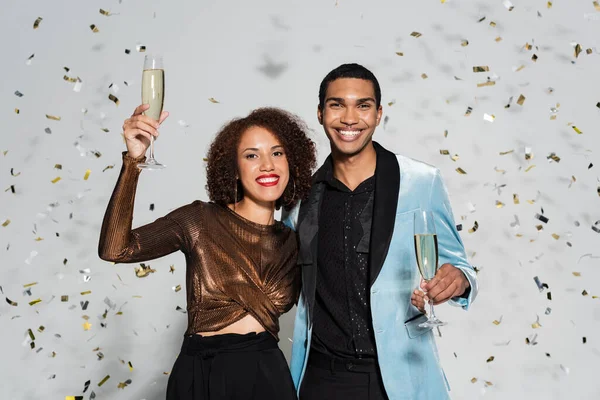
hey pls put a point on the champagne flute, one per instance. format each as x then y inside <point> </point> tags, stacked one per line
<point>426,249</point>
<point>153,94</point>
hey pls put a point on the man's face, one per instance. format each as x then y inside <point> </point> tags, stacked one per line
<point>349,115</point>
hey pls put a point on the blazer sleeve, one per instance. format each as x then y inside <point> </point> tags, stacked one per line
<point>450,246</point>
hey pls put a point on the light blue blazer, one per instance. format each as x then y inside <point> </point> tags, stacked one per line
<point>407,353</point>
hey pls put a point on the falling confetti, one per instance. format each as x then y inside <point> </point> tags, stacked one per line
<point>37,22</point>
<point>415,34</point>
<point>114,99</point>
<point>94,28</point>
<point>213,100</point>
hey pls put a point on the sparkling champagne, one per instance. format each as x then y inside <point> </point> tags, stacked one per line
<point>427,257</point>
<point>153,91</point>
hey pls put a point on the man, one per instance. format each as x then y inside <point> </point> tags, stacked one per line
<point>357,333</point>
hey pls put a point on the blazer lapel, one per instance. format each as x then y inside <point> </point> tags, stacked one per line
<point>308,227</point>
<point>387,187</point>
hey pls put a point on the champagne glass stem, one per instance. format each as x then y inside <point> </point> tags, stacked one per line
<point>152,148</point>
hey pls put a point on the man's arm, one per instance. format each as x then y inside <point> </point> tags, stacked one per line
<point>456,279</point>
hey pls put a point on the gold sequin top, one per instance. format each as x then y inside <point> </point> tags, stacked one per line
<point>235,267</point>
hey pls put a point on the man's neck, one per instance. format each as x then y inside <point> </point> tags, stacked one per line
<point>353,170</point>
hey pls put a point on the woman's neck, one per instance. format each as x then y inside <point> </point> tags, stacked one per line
<point>260,213</point>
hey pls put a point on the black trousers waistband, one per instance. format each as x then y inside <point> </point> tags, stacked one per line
<point>210,346</point>
<point>325,361</point>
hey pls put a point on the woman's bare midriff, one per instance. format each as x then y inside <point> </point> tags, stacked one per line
<point>245,325</point>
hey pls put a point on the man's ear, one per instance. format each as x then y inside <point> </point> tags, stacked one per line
<point>320,114</point>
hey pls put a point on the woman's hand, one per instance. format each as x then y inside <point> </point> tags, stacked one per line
<point>138,129</point>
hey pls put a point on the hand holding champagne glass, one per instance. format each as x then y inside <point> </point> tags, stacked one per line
<point>426,250</point>
<point>153,94</point>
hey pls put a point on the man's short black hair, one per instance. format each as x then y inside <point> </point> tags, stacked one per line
<point>353,70</point>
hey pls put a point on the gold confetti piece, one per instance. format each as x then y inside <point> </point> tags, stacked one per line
<point>86,292</point>
<point>171,268</point>
<point>473,380</point>
<point>464,43</point>
<point>516,198</point>
<point>69,79</point>
<point>87,326</point>
<point>6,223</point>
<point>483,68</point>
<point>108,167</point>
<point>500,171</point>
<point>107,377</point>
<point>474,228</point>
<point>12,303</point>
<point>489,117</point>
<point>584,293</point>
<point>503,153</point>
<point>57,166</point>
<point>17,111</point>
<point>399,53</point>
<point>391,103</point>
<point>103,12</point>
<point>53,117</point>
<point>213,100</point>
<point>492,24</point>
<point>94,28</point>
<point>64,298</point>
<point>555,236</point>
<point>143,271</point>
<point>498,39</point>
<point>521,100</point>
<point>444,152</point>
<point>488,83</point>
<point>554,157</point>
<point>415,34</point>
<point>588,51</point>
<point>534,58</point>
<point>490,359</point>
<point>87,174</point>
<point>113,98</point>
<point>446,133</point>
<point>530,167</point>
<point>576,129</point>
<point>468,112</point>
<point>596,5</point>
<point>454,157</point>
<point>549,4</point>
<point>36,24</point>
<point>499,204</point>
<point>34,302</point>
<point>39,239</point>
<point>123,385</point>
<point>577,50</point>
<point>577,273</point>
<point>424,76</point>
<point>30,284</point>
<point>58,178</point>
<point>41,329</point>
<point>130,366</point>
<point>488,383</point>
<point>73,397</point>
<point>497,321</point>
<point>461,171</point>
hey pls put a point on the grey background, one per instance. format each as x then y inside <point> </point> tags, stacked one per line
<point>250,54</point>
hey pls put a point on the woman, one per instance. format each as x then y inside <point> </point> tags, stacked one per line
<point>241,263</point>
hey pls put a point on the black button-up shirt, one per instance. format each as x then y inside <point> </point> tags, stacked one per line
<point>342,315</point>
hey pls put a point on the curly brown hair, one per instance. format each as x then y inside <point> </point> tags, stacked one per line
<point>292,132</point>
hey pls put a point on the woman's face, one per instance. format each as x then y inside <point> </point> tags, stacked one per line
<point>262,164</point>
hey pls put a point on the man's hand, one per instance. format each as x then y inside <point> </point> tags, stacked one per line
<point>448,282</point>
<point>418,299</point>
